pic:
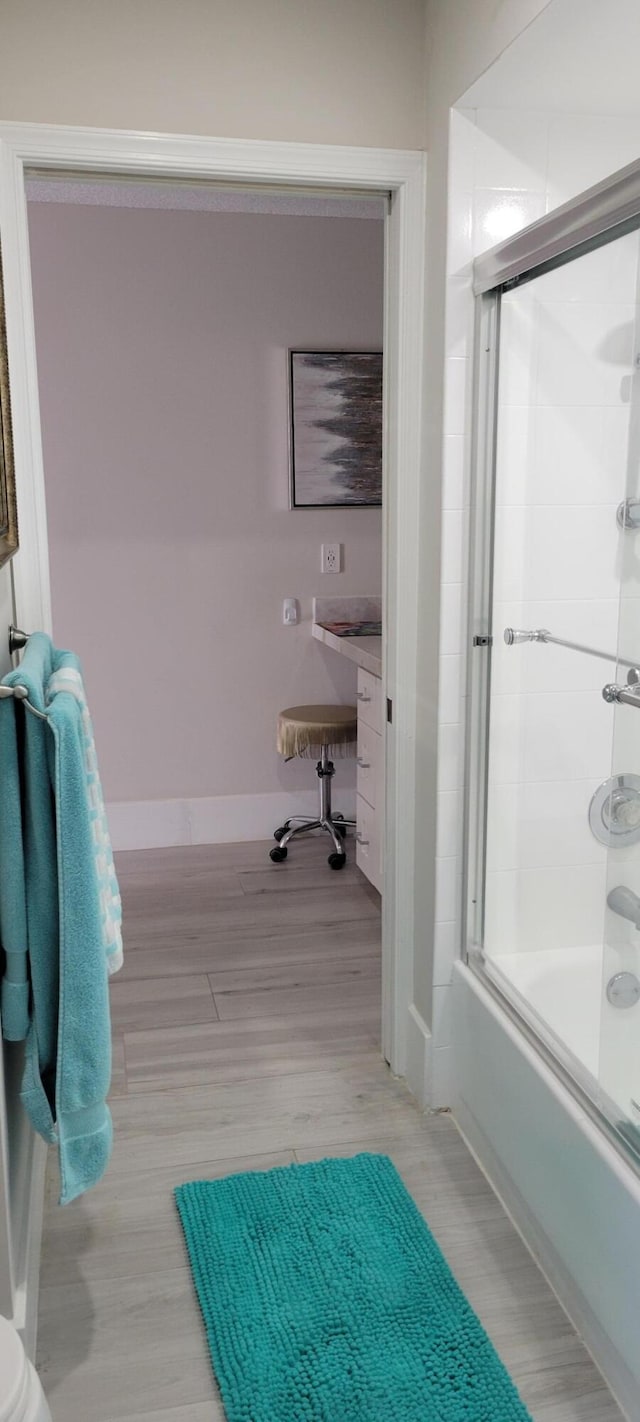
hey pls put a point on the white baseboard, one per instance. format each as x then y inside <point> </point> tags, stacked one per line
<point>220,819</point>
<point>418,1073</point>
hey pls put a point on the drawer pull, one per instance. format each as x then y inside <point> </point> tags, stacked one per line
<point>360,840</point>
<point>364,764</point>
<point>363,696</point>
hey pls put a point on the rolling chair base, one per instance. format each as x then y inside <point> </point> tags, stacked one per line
<point>334,825</point>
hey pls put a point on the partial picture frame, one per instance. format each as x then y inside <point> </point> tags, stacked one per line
<point>9,537</point>
<point>335,429</point>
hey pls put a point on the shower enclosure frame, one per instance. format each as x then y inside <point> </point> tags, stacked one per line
<point>609,210</point>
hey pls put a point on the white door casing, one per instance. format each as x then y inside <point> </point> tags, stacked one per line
<point>403,176</point>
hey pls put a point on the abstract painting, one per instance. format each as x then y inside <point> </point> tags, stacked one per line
<point>336,428</point>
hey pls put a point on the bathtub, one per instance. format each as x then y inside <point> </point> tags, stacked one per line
<point>574,1197</point>
<point>564,989</point>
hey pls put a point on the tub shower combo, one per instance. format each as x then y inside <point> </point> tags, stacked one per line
<point>553,864</point>
<point>546,1017</point>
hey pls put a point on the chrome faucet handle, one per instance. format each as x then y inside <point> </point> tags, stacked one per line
<point>628,514</point>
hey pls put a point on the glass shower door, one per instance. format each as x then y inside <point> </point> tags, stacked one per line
<point>565,621</point>
<point>617,815</point>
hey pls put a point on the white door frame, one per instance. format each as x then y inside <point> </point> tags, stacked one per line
<point>403,175</point>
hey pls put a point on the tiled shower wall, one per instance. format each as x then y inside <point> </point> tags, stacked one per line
<point>507,169</point>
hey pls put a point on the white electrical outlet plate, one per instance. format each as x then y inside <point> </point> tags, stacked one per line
<point>332,557</point>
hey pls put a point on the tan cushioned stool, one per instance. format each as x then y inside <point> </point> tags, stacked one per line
<point>325,731</point>
<point>304,730</point>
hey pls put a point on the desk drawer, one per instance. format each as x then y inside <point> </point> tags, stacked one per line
<point>369,696</point>
<point>368,842</point>
<point>369,775</point>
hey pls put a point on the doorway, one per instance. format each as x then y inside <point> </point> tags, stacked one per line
<point>402,176</point>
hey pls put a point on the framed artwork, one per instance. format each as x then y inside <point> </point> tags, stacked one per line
<point>8,507</point>
<point>336,429</point>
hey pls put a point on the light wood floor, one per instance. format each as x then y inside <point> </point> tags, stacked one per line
<point>246,1030</point>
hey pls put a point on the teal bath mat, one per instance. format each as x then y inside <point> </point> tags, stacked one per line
<point>326,1299</point>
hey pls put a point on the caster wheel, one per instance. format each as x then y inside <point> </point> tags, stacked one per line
<point>278,855</point>
<point>335,861</point>
<point>277,834</point>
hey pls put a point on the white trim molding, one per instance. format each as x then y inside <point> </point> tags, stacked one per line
<point>401,175</point>
<point>215,819</point>
<point>419,1055</point>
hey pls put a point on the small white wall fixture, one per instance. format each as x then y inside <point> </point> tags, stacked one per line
<point>398,173</point>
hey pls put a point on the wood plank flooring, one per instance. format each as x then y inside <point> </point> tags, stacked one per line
<point>246,1030</point>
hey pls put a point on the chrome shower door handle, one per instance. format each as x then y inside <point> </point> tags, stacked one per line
<point>622,695</point>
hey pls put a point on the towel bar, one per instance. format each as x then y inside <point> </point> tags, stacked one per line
<point>20,693</point>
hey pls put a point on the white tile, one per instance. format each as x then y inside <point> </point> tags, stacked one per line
<point>451,748</point>
<point>455,395</point>
<point>460,315</point>
<point>566,736</point>
<point>460,234</point>
<point>553,737</point>
<point>448,889</point>
<point>442,1014</point>
<point>545,908</point>
<point>518,348</point>
<point>578,454</point>
<point>628,639</point>
<point>449,823</point>
<point>455,545</point>
<point>452,619</point>
<point>506,740</point>
<point>539,667</point>
<point>500,912</point>
<point>584,149</point>
<point>555,454</point>
<point>447,949</point>
<point>462,143</point>
<point>608,274</point>
<point>512,535</point>
<point>451,689</point>
<point>629,569</point>
<point>516,454</point>
<point>571,554</point>
<point>499,212</point>
<point>511,149</point>
<point>584,352</point>
<point>455,472</point>
<point>532,826</point>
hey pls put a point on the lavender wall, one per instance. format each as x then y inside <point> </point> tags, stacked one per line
<point>162,340</point>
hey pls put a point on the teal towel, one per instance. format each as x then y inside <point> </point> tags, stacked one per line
<point>59,912</point>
